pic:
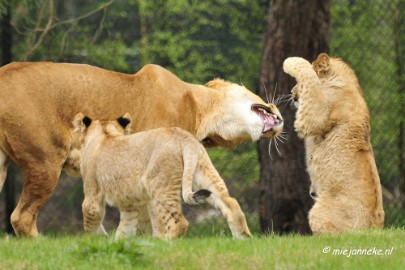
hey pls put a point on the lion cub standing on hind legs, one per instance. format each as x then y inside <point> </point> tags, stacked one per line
<point>333,119</point>
<point>148,170</point>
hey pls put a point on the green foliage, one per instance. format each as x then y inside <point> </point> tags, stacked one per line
<point>195,39</point>
<point>123,250</point>
<point>198,39</point>
<point>246,161</point>
<point>364,34</point>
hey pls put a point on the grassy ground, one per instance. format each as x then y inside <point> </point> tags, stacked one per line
<point>213,250</point>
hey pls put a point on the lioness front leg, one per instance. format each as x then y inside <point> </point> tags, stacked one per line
<point>4,162</point>
<point>39,183</point>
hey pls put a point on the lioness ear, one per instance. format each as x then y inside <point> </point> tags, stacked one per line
<point>322,64</point>
<point>80,122</point>
<point>125,122</point>
<point>217,84</point>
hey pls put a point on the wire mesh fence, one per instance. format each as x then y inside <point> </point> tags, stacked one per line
<point>370,36</point>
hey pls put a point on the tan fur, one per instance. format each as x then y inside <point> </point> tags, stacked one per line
<point>333,119</point>
<point>149,170</point>
<point>39,100</point>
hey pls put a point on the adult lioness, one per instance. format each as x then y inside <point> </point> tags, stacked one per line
<point>39,100</point>
<point>148,170</point>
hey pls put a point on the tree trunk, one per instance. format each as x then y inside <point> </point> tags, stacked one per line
<point>6,57</point>
<point>295,28</point>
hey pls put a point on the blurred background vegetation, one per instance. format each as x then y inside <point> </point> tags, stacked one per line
<point>201,40</point>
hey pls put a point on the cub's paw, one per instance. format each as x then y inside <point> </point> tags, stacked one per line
<point>295,65</point>
<point>300,128</point>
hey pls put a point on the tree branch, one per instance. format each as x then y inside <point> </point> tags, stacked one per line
<point>51,25</point>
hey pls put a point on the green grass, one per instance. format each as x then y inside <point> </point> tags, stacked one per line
<point>210,251</point>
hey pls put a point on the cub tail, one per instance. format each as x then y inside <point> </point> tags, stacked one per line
<point>190,160</point>
<point>201,196</point>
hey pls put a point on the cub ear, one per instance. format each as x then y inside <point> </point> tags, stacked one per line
<point>125,122</point>
<point>87,121</point>
<point>322,64</point>
<point>81,122</point>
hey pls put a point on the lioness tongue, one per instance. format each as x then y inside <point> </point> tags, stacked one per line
<point>269,122</point>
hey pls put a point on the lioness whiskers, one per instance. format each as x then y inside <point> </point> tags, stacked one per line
<point>277,139</point>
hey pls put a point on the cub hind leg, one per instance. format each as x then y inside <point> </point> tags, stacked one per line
<point>232,212</point>
<point>144,223</point>
<point>206,177</point>
<point>167,218</point>
<point>128,223</point>
<point>332,217</point>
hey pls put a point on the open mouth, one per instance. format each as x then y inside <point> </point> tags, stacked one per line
<point>269,118</point>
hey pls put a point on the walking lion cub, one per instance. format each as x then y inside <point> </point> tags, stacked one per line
<point>334,121</point>
<point>145,174</point>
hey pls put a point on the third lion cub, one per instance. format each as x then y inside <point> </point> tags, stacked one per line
<point>144,174</point>
<point>334,121</point>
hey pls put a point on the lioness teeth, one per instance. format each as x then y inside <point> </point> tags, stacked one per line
<point>264,111</point>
